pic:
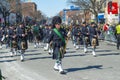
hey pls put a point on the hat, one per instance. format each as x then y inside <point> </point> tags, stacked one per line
<point>84,22</point>
<point>92,23</point>
<point>56,20</point>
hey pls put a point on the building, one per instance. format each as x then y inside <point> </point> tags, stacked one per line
<point>15,6</point>
<point>75,16</point>
<point>29,9</point>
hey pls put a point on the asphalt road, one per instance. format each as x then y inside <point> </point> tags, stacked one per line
<point>38,64</point>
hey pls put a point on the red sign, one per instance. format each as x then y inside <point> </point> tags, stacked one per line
<point>112,7</point>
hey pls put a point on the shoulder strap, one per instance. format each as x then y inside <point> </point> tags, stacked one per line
<point>58,33</point>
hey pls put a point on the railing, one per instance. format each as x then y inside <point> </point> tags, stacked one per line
<point>108,36</point>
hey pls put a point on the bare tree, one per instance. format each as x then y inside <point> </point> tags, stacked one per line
<point>94,6</point>
<point>4,9</point>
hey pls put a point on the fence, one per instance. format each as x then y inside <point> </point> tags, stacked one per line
<point>108,36</point>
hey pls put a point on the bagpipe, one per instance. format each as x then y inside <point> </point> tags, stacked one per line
<point>23,39</point>
<point>14,44</point>
<point>23,45</point>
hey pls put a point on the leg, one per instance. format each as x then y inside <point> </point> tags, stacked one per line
<point>93,46</point>
<point>85,44</point>
<point>11,52</point>
<point>22,55</point>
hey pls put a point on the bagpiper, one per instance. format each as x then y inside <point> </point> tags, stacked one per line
<point>85,36</point>
<point>58,38</point>
<point>22,40</point>
<point>93,37</point>
<point>36,35</point>
<point>77,35</point>
<point>13,40</point>
<point>46,36</point>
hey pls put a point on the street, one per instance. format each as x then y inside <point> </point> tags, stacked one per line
<point>38,64</point>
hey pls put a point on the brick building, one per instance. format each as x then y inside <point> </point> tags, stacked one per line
<point>29,9</point>
<point>77,16</point>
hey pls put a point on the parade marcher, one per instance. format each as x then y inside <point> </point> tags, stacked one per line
<point>36,35</point>
<point>58,38</point>
<point>30,34</point>
<point>13,40</point>
<point>77,35</point>
<point>73,35</point>
<point>93,37</point>
<point>46,36</point>
<point>85,35</point>
<point>50,50</point>
<point>6,37</point>
<point>1,37</point>
<point>22,40</point>
<point>117,32</point>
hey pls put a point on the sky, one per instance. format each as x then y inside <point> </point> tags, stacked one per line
<point>50,7</point>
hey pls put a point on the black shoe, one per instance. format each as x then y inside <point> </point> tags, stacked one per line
<point>22,60</point>
<point>49,53</point>
<point>95,55</point>
<point>65,52</point>
<point>62,72</point>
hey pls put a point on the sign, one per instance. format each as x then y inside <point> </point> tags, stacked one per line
<point>100,15</point>
<point>101,18</point>
<point>71,7</point>
<point>112,7</point>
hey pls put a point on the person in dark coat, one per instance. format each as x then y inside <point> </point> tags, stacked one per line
<point>77,34</point>
<point>22,40</point>
<point>58,38</point>
<point>85,35</point>
<point>50,49</point>
<point>46,36</point>
<point>36,35</point>
<point>12,40</point>
<point>1,37</point>
<point>93,37</point>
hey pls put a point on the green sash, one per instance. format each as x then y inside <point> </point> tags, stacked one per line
<point>58,33</point>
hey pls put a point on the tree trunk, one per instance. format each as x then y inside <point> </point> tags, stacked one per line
<point>96,18</point>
